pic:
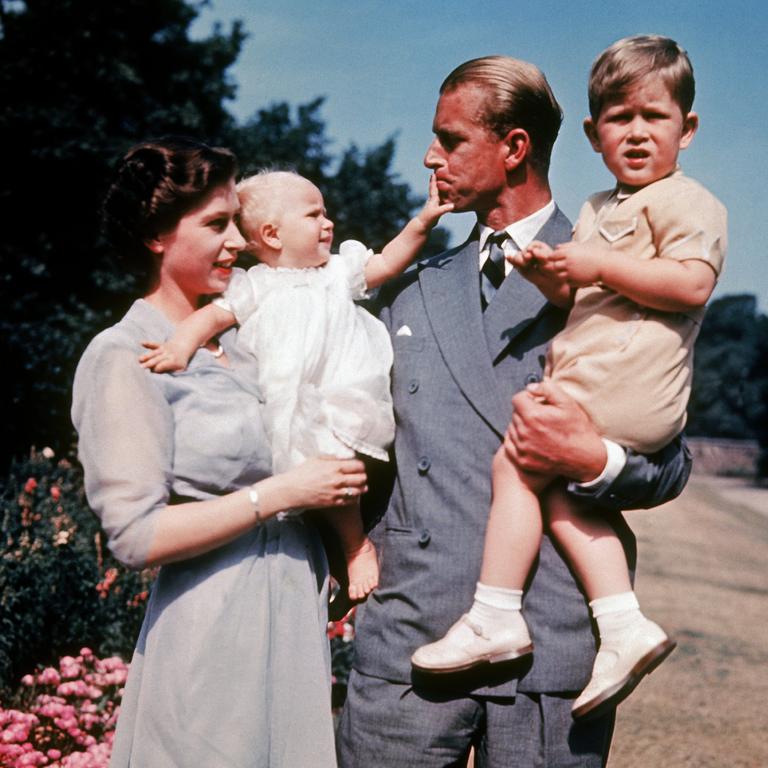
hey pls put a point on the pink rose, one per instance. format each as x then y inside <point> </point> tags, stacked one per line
<point>49,676</point>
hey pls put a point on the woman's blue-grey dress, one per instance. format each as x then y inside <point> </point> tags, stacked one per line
<point>231,669</point>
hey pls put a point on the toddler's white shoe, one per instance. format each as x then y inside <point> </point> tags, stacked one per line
<point>466,645</point>
<point>620,664</point>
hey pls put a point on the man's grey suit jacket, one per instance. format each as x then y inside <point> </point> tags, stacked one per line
<point>455,372</point>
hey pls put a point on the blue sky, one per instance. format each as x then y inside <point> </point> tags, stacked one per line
<point>380,64</point>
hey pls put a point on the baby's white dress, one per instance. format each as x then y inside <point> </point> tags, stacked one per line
<point>323,361</point>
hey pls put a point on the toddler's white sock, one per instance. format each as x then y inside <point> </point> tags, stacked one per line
<point>496,607</point>
<point>616,614</point>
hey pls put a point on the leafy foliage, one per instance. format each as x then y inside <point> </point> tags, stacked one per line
<point>59,585</point>
<point>64,716</point>
<point>82,80</point>
<point>730,381</point>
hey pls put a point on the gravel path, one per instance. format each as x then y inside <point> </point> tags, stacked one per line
<point>703,575</point>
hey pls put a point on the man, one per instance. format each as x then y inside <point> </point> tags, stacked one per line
<point>466,340</point>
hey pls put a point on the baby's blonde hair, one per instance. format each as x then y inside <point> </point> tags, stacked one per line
<point>630,59</point>
<point>261,203</point>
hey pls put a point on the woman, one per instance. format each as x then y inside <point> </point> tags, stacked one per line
<point>231,666</point>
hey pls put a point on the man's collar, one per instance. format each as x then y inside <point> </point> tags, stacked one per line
<point>523,231</point>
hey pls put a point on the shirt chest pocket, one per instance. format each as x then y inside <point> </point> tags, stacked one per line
<point>618,230</point>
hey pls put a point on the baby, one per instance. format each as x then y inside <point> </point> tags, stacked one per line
<point>644,260</point>
<point>324,362</point>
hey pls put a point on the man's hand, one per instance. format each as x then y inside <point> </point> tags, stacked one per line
<point>551,434</point>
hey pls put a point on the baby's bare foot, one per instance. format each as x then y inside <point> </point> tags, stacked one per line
<point>363,570</point>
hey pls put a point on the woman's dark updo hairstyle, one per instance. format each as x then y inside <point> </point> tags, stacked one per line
<point>154,186</point>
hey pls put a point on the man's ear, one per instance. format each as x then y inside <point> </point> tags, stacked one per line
<point>270,235</point>
<point>518,144</point>
<point>591,132</point>
<point>690,125</point>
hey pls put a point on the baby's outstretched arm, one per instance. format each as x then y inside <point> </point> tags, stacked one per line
<point>534,264</point>
<point>195,330</point>
<point>665,284</point>
<point>401,251</point>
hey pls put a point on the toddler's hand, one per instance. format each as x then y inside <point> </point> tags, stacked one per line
<point>162,358</point>
<point>535,263</point>
<point>433,209</point>
<point>578,264</point>
<point>531,258</point>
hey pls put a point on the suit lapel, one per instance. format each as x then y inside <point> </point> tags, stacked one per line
<point>472,341</point>
<point>451,292</point>
<point>514,307</point>
<point>518,303</point>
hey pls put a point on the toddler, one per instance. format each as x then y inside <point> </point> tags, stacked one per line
<point>644,260</point>
<point>324,362</point>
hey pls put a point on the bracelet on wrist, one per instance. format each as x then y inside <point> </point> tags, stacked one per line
<point>253,496</point>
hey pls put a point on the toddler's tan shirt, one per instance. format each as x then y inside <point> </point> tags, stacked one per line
<point>628,366</point>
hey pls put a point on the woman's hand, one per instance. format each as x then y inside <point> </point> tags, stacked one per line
<point>186,530</point>
<point>324,482</point>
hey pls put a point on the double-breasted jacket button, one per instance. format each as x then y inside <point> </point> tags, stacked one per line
<point>424,537</point>
<point>413,386</point>
<point>532,378</point>
<point>423,465</point>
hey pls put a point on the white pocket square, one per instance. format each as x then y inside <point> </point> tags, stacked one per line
<point>403,330</point>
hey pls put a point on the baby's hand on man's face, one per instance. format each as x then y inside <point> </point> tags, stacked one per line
<point>433,209</point>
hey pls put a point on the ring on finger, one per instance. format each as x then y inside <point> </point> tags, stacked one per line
<point>348,492</point>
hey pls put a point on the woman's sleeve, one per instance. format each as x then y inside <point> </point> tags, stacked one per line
<point>125,429</point>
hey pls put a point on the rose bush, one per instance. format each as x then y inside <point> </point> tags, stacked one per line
<point>60,587</point>
<point>64,716</point>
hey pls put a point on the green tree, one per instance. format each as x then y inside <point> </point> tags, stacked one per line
<point>729,396</point>
<point>82,80</point>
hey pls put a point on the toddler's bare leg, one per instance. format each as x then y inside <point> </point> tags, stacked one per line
<point>494,629</point>
<point>631,645</point>
<point>591,546</point>
<point>359,552</point>
<point>513,535</point>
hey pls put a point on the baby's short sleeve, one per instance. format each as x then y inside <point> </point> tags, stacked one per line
<point>241,294</point>
<point>349,265</point>
<point>688,222</point>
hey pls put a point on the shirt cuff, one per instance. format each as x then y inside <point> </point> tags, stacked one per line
<point>617,458</point>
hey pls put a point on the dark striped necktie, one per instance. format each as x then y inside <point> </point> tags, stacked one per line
<point>492,272</point>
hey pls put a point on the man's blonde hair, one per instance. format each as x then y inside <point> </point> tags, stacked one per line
<point>631,59</point>
<point>517,96</point>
